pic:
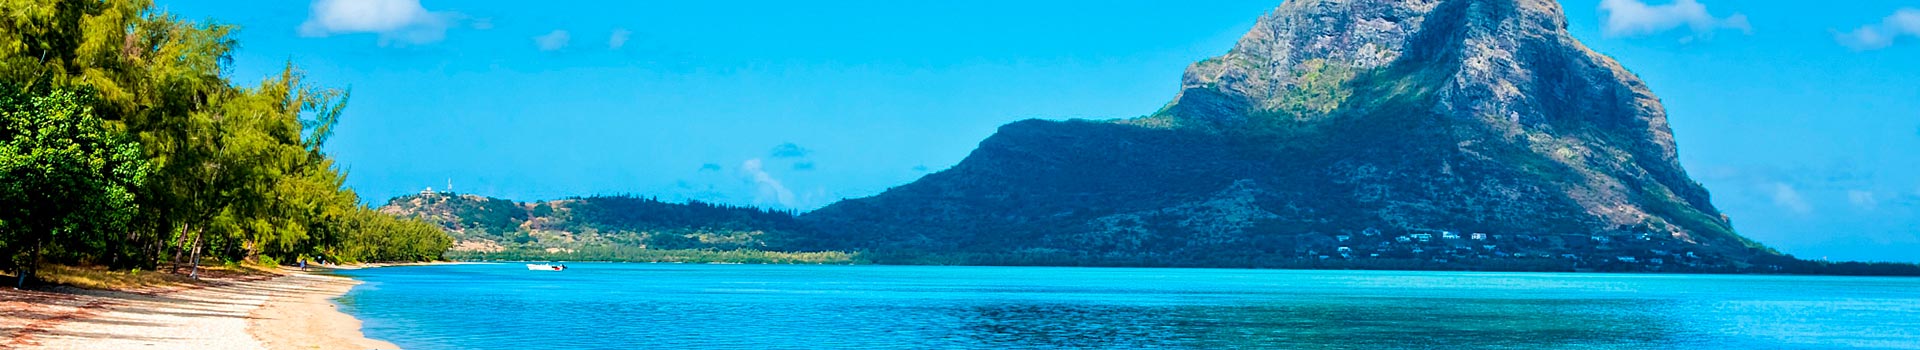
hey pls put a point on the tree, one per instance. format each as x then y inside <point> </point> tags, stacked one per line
<point>231,172</point>
<point>227,171</point>
<point>66,181</point>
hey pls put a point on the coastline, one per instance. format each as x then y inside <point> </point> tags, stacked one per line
<point>303,316</point>
<point>286,309</point>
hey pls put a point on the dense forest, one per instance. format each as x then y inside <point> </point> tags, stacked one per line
<point>123,142</point>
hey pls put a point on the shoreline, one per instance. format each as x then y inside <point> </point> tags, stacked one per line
<point>305,316</point>
<point>1272,268</point>
<point>284,309</point>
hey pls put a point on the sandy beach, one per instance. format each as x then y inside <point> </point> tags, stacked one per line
<point>290,311</point>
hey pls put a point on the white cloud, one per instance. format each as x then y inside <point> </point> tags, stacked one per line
<point>769,190</point>
<point>1787,198</point>
<point>619,39</point>
<point>1634,18</point>
<point>1905,22</point>
<point>396,21</point>
<point>552,41</point>
<point>1863,199</point>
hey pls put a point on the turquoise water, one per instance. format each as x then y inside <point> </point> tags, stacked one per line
<point>651,306</point>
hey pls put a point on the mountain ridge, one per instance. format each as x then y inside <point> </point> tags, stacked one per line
<point>1331,117</point>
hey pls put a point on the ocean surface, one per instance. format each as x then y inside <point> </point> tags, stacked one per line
<point>668,306</point>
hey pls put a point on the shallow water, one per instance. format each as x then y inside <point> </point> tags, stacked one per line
<point>628,306</point>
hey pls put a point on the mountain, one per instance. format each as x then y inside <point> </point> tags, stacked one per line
<point>1335,132</point>
<point>492,225</point>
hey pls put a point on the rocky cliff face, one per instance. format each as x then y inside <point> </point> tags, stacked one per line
<point>1330,118</point>
<point>1507,68</point>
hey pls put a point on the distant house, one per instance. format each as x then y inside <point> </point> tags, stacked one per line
<point>1489,246</point>
<point>1602,239</point>
<point>1344,250</point>
<point>1657,261</point>
<point>1479,236</point>
<point>1569,256</point>
<point>1519,255</point>
<point>1343,238</point>
<point>1449,235</point>
<point>1402,239</point>
<point>1423,237</point>
<point>1627,259</point>
<point>1370,232</point>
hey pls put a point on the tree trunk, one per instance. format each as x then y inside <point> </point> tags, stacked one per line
<point>30,265</point>
<point>152,262</point>
<point>196,256</point>
<point>181,243</point>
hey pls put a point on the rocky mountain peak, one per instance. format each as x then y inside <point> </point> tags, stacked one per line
<point>1505,72</point>
<point>1294,55</point>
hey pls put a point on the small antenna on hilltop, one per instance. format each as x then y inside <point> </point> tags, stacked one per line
<point>449,184</point>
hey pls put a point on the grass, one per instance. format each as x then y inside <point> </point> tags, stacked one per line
<point>93,277</point>
<point>102,278</point>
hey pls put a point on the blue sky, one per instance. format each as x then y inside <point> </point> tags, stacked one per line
<point>1803,120</point>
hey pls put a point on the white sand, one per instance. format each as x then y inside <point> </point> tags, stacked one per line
<point>308,319</point>
<point>296,315</point>
<point>203,318</point>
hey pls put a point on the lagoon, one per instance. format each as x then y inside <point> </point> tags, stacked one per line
<point>654,306</point>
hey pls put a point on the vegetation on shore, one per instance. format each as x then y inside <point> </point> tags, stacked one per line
<point>123,143</point>
<point>633,254</point>
<point>634,229</point>
<point>624,221</point>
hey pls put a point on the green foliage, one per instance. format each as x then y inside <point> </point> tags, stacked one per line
<point>1791,265</point>
<point>371,236</point>
<point>66,181</point>
<point>165,159</point>
<point>1317,90</point>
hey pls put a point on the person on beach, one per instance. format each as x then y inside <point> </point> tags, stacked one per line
<point>303,263</point>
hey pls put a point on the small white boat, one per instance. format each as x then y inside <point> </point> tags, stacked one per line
<point>546,267</point>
